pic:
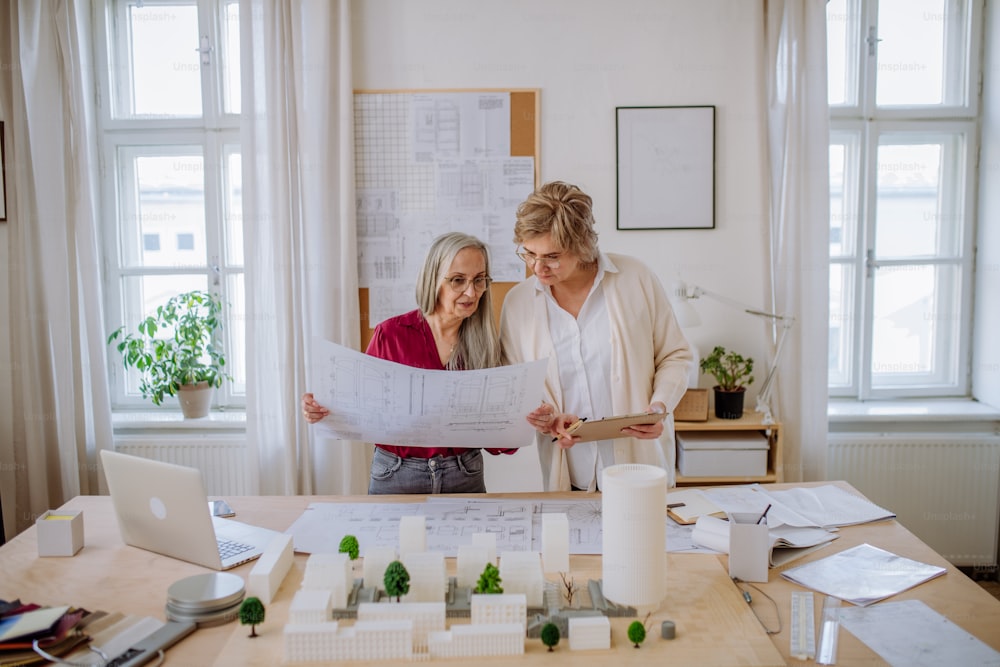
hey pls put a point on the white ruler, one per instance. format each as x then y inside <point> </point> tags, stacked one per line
<point>803,635</point>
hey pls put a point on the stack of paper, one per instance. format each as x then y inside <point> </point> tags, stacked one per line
<point>786,543</point>
<point>824,506</point>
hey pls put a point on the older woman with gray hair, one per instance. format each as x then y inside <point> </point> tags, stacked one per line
<point>452,329</point>
<point>607,328</point>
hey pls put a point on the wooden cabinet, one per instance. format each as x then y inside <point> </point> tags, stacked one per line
<point>750,421</point>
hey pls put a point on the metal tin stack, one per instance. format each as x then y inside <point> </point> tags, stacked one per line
<point>205,599</point>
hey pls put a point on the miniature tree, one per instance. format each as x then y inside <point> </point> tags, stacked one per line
<point>252,614</point>
<point>569,588</point>
<point>636,633</point>
<point>550,635</point>
<point>349,546</point>
<point>396,580</point>
<point>489,580</point>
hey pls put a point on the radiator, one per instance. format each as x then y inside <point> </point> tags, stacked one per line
<point>220,458</point>
<point>944,488</point>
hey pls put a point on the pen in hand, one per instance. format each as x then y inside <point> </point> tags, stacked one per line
<point>575,425</point>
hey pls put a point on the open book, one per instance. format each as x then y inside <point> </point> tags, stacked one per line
<point>825,506</point>
<point>786,542</point>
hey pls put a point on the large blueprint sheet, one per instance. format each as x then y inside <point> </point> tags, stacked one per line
<point>374,400</point>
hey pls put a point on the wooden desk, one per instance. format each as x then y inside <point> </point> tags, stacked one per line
<point>714,625</point>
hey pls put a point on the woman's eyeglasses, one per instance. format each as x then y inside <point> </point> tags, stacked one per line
<point>551,261</point>
<point>460,283</point>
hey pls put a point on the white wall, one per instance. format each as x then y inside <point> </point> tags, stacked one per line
<point>587,57</point>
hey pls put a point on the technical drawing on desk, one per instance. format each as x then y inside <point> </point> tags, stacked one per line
<point>449,524</point>
<point>375,400</point>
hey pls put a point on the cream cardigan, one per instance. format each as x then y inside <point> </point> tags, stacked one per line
<point>650,359</point>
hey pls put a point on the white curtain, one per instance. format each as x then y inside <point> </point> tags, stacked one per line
<point>300,236</point>
<point>798,139</point>
<point>61,411</point>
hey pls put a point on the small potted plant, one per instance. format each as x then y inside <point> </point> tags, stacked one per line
<point>176,351</point>
<point>732,373</point>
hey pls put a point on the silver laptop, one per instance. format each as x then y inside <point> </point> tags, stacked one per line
<point>162,507</point>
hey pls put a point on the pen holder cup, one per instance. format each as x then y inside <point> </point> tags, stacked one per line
<point>60,533</point>
<point>748,548</point>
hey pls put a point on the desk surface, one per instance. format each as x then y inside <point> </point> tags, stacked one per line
<point>110,576</point>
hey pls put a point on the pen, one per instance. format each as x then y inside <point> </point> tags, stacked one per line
<point>575,425</point>
<point>764,514</point>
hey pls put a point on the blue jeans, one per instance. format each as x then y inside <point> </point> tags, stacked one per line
<point>440,474</point>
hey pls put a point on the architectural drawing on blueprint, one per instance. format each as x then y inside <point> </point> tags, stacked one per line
<point>374,400</point>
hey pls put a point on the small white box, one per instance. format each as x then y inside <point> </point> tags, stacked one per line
<point>749,547</point>
<point>722,454</point>
<point>60,533</point>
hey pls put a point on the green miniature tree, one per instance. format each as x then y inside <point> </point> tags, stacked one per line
<point>349,546</point>
<point>489,580</point>
<point>396,580</point>
<point>550,635</point>
<point>636,633</point>
<point>252,614</point>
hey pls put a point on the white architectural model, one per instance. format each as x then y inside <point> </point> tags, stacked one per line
<point>412,534</point>
<point>334,572</point>
<point>589,632</point>
<point>634,562</point>
<point>365,640</point>
<point>477,640</point>
<point>555,542</point>
<point>310,605</point>
<point>471,562</point>
<point>427,617</point>
<point>488,540</point>
<point>373,566</point>
<point>270,569</point>
<point>499,608</point>
<point>521,572</point>
<point>428,576</point>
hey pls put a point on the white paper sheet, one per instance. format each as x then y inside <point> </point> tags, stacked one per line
<point>911,634</point>
<point>786,542</point>
<point>863,574</point>
<point>379,401</point>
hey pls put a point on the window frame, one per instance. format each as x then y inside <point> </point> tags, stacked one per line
<point>216,133</point>
<point>863,124</point>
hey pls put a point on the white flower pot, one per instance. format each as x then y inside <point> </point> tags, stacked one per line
<point>195,400</point>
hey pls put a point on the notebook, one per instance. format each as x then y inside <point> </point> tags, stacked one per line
<point>163,508</point>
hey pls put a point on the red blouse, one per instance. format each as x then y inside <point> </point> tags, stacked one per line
<point>407,339</point>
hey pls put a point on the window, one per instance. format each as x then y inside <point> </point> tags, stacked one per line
<point>169,121</point>
<point>904,98</point>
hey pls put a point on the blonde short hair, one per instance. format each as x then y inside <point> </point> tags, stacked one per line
<point>564,211</point>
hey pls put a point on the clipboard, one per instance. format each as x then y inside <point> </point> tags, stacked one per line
<point>610,428</point>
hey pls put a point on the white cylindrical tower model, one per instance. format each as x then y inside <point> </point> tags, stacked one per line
<point>634,498</point>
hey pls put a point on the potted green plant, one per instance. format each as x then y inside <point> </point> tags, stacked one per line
<point>732,373</point>
<point>176,352</point>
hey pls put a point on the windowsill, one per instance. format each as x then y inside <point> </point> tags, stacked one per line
<point>912,410</point>
<point>173,421</point>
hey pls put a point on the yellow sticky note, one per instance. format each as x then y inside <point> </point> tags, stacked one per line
<point>58,516</point>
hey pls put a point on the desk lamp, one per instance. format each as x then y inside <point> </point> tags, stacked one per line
<point>785,322</point>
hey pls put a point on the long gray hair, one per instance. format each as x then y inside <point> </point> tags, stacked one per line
<point>478,341</point>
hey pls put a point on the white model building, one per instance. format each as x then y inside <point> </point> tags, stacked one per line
<point>521,572</point>
<point>427,617</point>
<point>428,576</point>
<point>488,540</point>
<point>555,542</point>
<point>477,641</point>
<point>500,608</point>
<point>634,562</point>
<point>332,571</point>
<point>412,534</point>
<point>373,566</point>
<point>310,605</point>
<point>589,633</point>
<point>470,563</point>
<point>365,640</point>
<point>271,568</point>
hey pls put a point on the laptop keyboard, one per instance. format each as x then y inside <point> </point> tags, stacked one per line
<point>228,548</point>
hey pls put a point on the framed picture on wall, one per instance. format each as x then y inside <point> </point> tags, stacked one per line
<point>3,178</point>
<point>666,167</point>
